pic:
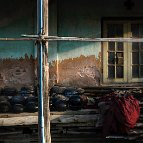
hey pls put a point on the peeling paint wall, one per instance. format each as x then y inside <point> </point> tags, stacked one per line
<point>17,58</point>
<point>17,72</point>
<point>80,63</point>
<point>80,71</point>
<point>77,63</point>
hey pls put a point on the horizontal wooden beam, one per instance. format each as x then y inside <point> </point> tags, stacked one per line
<point>15,121</point>
<point>11,115</point>
<point>65,119</point>
<point>84,39</point>
<point>80,39</point>
<point>32,118</point>
<point>62,119</point>
<point>54,38</point>
<point>19,39</point>
<point>79,112</point>
<point>69,118</point>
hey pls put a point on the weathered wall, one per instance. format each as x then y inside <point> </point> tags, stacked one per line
<point>17,58</point>
<point>17,72</point>
<point>80,63</point>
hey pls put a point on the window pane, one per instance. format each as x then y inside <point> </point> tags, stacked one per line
<point>119,71</point>
<point>119,61</point>
<point>111,46</point>
<point>135,71</point>
<point>119,58</point>
<point>111,30</point>
<point>115,30</point>
<point>120,46</point>
<point>135,57</point>
<point>135,30</point>
<point>141,30</point>
<point>111,58</point>
<point>111,71</point>
<point>119,30</point>
<point>141,71</point>
<point>135,46</point>
<point>141,57</point>
<point>141,46</point>
<point>119,54</point>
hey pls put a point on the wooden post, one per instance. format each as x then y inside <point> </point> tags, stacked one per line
<point>46,75</point>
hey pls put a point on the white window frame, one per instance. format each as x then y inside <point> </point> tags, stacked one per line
<point>127,48</point>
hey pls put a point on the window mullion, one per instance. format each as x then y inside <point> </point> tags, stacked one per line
<point>126,54</point>
<point>115,60</point>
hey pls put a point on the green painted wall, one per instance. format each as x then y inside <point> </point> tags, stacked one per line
<point>82,18</point>
<point>76,18</point>
<point>17,17</point>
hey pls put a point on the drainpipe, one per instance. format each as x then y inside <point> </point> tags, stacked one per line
<point>40,49</point>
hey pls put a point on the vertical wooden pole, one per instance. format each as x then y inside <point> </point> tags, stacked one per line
<point>46,74</point>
